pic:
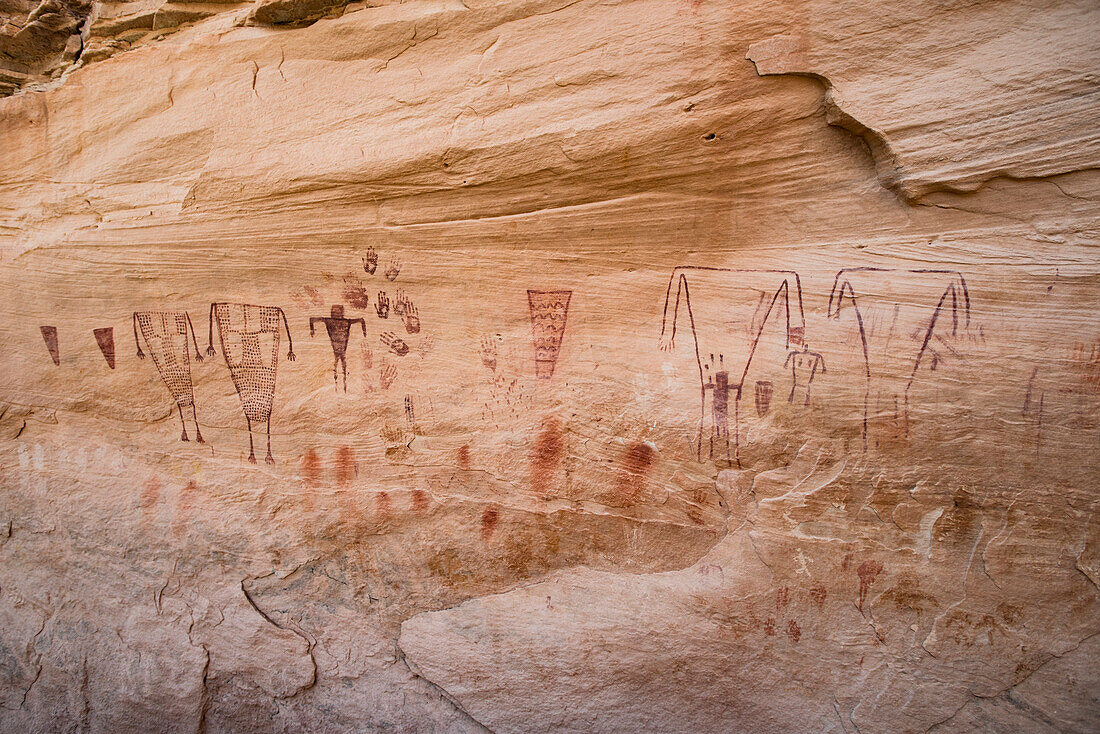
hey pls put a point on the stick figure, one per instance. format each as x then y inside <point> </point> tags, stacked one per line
<point>339,331</point>
<point>807,363</point>
<point>778,319</point>
<point>720,389</point>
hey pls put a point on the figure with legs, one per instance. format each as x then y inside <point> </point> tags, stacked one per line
<point>748,315</point>
<point>165,335</point>
<point>931,306</point>
<point>249,336</point>
<point>339,332</point>
<point>716,380</point>
<point>804,366</point>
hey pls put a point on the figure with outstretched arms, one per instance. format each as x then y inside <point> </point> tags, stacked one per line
<point>249,338</point>
<point>713,319</point>
<point>165,334</point>
<point>339,332</point>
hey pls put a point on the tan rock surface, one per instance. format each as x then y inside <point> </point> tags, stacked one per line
<point>674,406</point>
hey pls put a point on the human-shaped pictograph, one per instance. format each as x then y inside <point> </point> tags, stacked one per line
<point>804,366</point>
<point>749,319</point>
<point>716,380</point>
<point>339,332</point>
<point>249,337</point>
<point>165,334</point>
<point>930,310</point>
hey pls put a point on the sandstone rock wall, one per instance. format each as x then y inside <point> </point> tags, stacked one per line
<point>662,365</point>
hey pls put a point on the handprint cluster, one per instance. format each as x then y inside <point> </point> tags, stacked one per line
<point>399,304</point>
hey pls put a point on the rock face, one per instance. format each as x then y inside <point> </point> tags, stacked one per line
<point>665,365</point>
<point>38,41</point>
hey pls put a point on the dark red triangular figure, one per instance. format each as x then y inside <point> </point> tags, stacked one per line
<point>49,333</point>
<point>105,338</point>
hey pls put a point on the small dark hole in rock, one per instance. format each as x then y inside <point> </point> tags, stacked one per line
<point>709,136</point>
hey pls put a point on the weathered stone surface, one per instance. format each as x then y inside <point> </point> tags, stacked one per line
<point>949,95</point>
<point>37,41</point>
<point>674,406</point>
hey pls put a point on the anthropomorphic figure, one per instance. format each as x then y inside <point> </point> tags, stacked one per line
<point>249,336</point>
<point>339,331</point>
<point>804,366</point>
<point>716,379</point>
<point>165,334</point>
<point>750,318</point>
<point>930,312</point>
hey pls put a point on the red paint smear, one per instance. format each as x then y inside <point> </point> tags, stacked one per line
<point>489,520</point>
<point>383,504</point>
<point>846,562</point>
<point>769,627</point>
<point>311,470</point>
<point>150,495</point>
<point>782,598</point>
<point>867,571</point>
<point>464,458</point>
<point>311,467</point>
<point>636,461</point>
<point>346,465</point>
<point>419,500</point>
<point>818,594</point>
<point>546,456</point>
<point>184,505</point>
<point>794,632</point>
